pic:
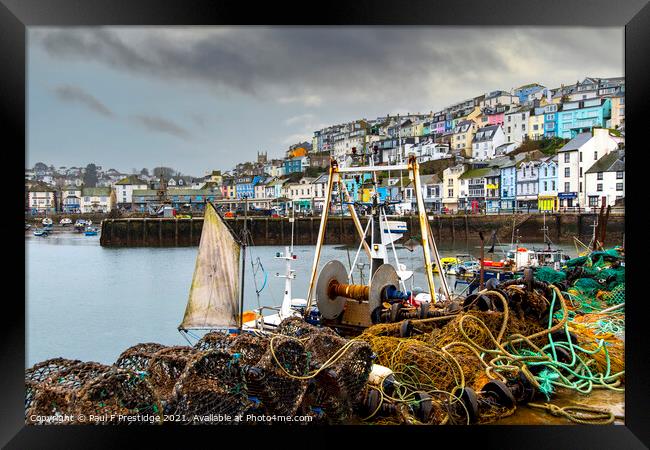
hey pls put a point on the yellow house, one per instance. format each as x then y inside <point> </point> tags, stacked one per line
<point>451,186</point>
<point>536,125</point>
<point>618,111</point>
<point>461,140</point>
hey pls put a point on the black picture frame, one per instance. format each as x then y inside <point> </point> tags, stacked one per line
<point>634,15</point>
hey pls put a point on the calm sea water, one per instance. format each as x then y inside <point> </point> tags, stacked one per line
<point>87,302</point>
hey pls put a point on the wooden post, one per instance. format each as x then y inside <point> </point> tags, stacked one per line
<point>453,229</point>
<point>466,227</point>
<point>282,230</point>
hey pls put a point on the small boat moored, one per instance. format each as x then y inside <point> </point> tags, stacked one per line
<point>91,231</point>
<point>42,232</point>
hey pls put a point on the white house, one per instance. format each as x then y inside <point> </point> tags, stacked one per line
<point>431,187</point>
<point>527,184</point>
<point>606,178</point>
<point>97,199</point>
<point>428,150</point>
<point>516,124</point>
<point>485,142</point>
<point>41,198</point>
<point>71,199</point>
<point>578,155</point>
<point>124,190</point>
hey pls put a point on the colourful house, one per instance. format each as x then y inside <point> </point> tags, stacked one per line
<point>550,120</point>
<point>548,185</point>
<point>582,116</point>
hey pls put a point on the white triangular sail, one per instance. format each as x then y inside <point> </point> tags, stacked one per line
<point>215,291</point>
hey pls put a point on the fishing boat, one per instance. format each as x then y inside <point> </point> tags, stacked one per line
<point>91,231</point>
<point>291,307</point>
<point>47,222</point>
<point>65,221</point>
<point>335,300</point>
<point>42,232</point>
<point>465,265</point>
<point>80,225</point>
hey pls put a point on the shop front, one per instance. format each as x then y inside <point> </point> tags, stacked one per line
<point>548,203</point>
<point>567,199</point>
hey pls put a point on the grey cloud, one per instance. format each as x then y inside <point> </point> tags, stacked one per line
<point>75,94</point>
<point>356,63</point>
<point>161,125</point>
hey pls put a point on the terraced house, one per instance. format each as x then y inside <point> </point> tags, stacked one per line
<point>97,200</point>
<point>583,116</point>
<point>547,200</point>
<point>461,142</point>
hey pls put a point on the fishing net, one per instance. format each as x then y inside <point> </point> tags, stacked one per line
<point>549,275</point>
<point>166,366</point>
<point>211,390</point>
<point>137,358</point>
<point>616,296</point>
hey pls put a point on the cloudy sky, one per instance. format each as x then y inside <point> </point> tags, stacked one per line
<point>199,98</point>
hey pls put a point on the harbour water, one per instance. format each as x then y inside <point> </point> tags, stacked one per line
<point>87,302</point>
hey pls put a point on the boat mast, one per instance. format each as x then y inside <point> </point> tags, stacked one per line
<point>243,264</point>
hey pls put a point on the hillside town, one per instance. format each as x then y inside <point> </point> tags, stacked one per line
<point>531,149</point>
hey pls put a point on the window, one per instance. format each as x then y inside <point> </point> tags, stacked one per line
<point>566,157</point>
<point>593,200</point>
<point>545,186</point>
<point>580,187</point>
<point>595,155</point>
<point>545,173</point>
<point>599,176</point>
<point>552,185</point>
<point>567,187</point>
<point>523,127</point>
<point>535,127</point>
<point>599,187</point>
<point>450,193</point>
<point>509,119</point>
<point>523,116</point>
<point>509,130</point>
<point>619,186</point>
<point>580,171</point>
<point>567,172</point>
<point>580,154</point>
<point>619,175</point>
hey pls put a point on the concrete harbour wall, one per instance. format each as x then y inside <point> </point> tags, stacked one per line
<point>171,232</point>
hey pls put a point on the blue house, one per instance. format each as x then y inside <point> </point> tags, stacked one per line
<point>508,185</point>
<point>245,186</point>
<point>525,91</point>
<point>550,120</point>
<point>582,116</point>
<point>295,164</point>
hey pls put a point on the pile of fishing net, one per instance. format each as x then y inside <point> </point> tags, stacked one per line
<point>476,366</point>
<point>222,379</point>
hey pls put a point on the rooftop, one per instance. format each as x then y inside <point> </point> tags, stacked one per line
<point>576,142</point>
<point>612,162</point>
